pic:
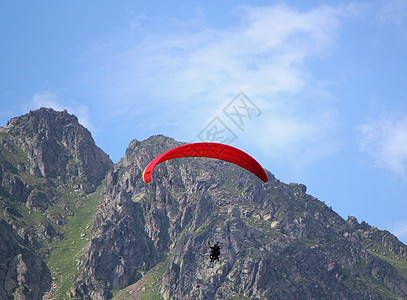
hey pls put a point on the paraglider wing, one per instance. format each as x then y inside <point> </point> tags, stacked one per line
<point>210,150</point>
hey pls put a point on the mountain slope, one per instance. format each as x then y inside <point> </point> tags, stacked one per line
<point>49,164</point>
<point>73,225</point>
<point>277,241</point>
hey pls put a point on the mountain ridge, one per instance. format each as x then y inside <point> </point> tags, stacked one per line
<point>277,242</point>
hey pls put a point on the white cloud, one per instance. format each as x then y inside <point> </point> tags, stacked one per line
<point>183,78</point>
<point>53,100</point>
<point>399,229</point>
<point>47,99</point>
<point>384,139</point>
<point>394,12</point>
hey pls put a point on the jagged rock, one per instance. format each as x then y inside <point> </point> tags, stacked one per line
<point>14,188</point>
<point>120,249</point>
<point>57,145</point>
<point>277,242</point>
<point>42,154</point>
<point>37,200</point>
<point>23,274</point>
<point>48,232</point>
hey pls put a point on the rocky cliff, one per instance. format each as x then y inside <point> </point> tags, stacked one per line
<point>121,238</point>
<point>56,146</point>
<point>277,241</point>
<point>49,163</point>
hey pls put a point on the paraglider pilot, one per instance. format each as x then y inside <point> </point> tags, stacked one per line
<point>215,251</point>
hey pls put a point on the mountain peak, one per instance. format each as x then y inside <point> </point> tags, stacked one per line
<point>43,116</point>
<point>58,146</point>
<point>277,241</point>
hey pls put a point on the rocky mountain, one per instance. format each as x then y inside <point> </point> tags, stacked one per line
<point>49,165</point>
<point>73,225</point>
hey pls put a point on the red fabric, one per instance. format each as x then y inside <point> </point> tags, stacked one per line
<point>210,150</point>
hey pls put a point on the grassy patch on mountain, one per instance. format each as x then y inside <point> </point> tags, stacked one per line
<point>31,179</point>
<point>15,157</point>
<point>362,278</point>
<point>31,217</point>
<point>397,262</point>
<point>148,287</point>
<point>64,257</point>
<point>376,248</point>
<point>264,226</point>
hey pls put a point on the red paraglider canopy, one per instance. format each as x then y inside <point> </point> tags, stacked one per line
<point>210,150</point>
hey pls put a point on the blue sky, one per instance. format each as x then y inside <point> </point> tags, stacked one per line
<point>324,84</point>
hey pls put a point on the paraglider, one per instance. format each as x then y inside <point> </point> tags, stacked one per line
<point>210,150</point>
<point>215,251</point>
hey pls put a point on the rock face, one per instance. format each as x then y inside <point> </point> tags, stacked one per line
<point>23,274</point>
<point>47,160</point>
<point>56,145</point>
<point>277,242</point>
